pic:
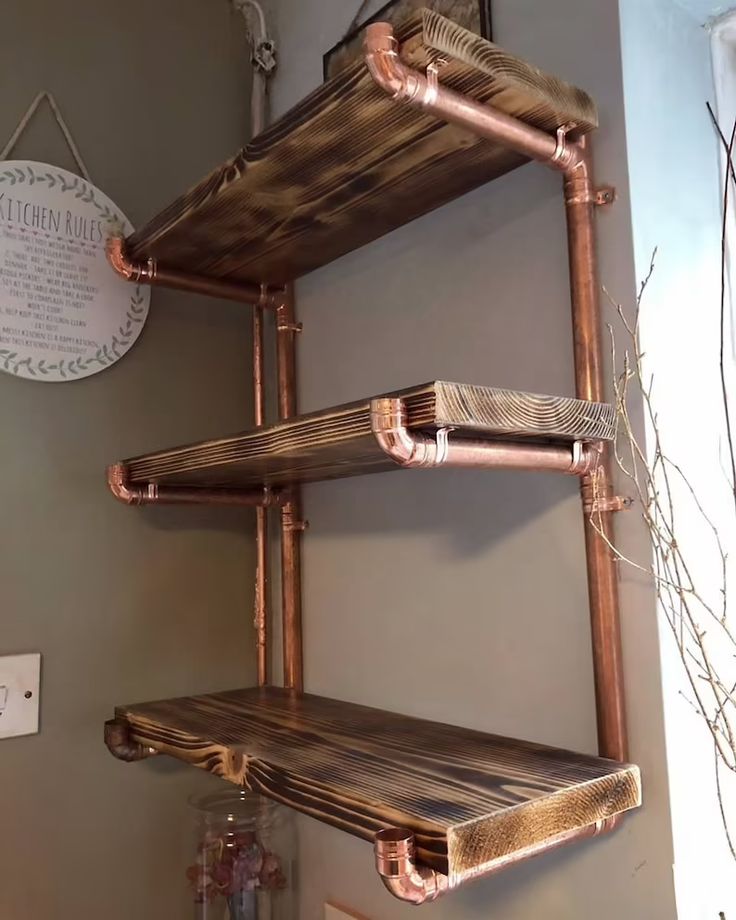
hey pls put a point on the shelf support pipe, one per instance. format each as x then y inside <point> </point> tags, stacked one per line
<point>572,159</point>
<point>417,450</point>
<point>596,485</point>
<point>151,272</point>
<point>261,600</point>
<point>292,524</point>
<point>151,493</point>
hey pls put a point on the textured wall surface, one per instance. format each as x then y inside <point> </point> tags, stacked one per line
<point>124,604</point>
<point>456,595</point>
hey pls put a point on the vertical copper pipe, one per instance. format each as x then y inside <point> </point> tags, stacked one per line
<point>291,521</point>
<point>261,588</point>
<point>602,571</point>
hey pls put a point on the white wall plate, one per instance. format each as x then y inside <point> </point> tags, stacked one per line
<point>20,690</point>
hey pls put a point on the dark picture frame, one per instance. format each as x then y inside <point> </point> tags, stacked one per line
<point>471,14</point>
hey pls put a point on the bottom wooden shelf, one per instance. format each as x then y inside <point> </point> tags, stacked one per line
<point>470,798</point>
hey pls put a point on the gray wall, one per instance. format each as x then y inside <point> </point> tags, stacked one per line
<point>124,604</point>
<point>455,595</point>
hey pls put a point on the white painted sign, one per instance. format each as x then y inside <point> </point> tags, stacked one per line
<point>64,313</point>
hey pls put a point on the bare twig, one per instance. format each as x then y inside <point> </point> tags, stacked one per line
<point>699,623</point>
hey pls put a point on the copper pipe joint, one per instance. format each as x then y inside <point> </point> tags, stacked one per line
<point>395,854</point>
<point>152,494</point>
<point>414,88</point>
<point>122,746</point>
<point>417,450</point>
<point>131,271</point>
<point>407,448</point>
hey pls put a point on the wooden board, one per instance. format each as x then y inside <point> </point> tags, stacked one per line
<point>338,442</point>
<point>348,164</point>
<point>470,798</point>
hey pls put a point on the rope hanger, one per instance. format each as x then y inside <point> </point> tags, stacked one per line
<point>25,121</point>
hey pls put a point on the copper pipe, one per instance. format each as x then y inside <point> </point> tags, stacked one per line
<point>395,853</point>
<point>424,92</point>
<point>122,746</point>
<point>415,449</point>
<point>153,494</point>
<point>595,485</point>
<point>291,519</point>
<point>573,159</point>
<point>151,272</point>
<point>261,585</point>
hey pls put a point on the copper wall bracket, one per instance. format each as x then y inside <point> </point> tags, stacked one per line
<point>605,195</point>
<point>610,503</point>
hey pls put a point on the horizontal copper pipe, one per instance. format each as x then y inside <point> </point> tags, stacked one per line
<point>153,494</point>
<point>415,449</point>
<point>424,92</point>
<point>151,272</point>
<point>395,853</point>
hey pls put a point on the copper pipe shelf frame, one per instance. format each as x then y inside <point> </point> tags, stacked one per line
<point>508,114</point>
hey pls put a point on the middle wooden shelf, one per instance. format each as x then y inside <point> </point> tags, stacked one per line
<point>432,424</point>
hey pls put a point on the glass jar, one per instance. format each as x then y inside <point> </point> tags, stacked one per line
<point>244,865</point>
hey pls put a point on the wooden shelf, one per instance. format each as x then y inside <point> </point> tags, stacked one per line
<point>470,798</point>
<point>339,441</point>
<point>348,164</point>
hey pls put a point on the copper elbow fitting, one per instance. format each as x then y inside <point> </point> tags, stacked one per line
<point>395,854</point>
<point>121,745</point>
<point>408,449</point>
<point>117,481</point>
<point>385,65</point>
<point>122,265</point>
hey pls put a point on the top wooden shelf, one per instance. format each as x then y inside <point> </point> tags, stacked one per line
<point>348,164</point>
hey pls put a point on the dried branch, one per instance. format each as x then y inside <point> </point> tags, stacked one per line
<point>695,610</point>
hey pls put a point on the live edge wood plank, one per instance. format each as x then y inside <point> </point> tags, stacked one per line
<point>470,798</point>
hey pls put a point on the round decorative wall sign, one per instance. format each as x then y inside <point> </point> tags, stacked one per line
<point>64,313</point>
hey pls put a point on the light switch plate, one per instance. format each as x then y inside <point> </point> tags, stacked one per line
<point>20,687</point>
